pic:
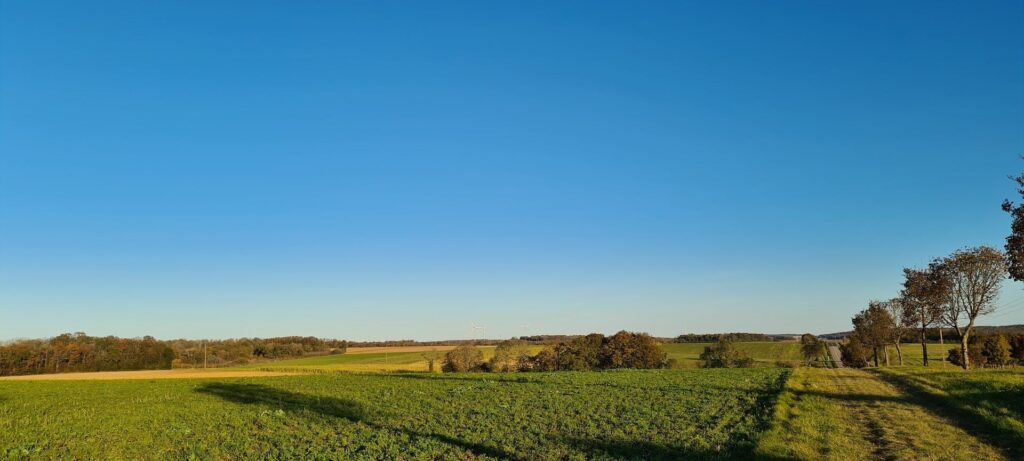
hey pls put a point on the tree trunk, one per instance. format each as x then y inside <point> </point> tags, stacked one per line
<point>965,358</point>
<point>899,353</point>
<point>942,347</point>
<point>924,347</point>
<point>875,349</point>
<point>885,351</point>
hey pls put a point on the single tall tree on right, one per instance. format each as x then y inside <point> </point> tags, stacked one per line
<point>975,275</point>
<point>1015,241</point>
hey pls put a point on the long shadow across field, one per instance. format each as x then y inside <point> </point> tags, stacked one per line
<point>350,410</point>
<point>328,406</point>
<point>961,411</point>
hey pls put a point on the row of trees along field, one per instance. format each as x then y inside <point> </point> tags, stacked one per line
<point>952,292</point>
<point>80,352</point>
<point>591,352</point>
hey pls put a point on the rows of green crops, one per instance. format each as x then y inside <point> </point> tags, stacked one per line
<point>629,414</point>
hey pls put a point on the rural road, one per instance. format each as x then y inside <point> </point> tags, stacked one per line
<point>837,358</point>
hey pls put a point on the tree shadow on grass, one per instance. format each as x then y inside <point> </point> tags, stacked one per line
<point>258,393</point>
<point>963,411</point>
<point>852,397</point>
<point>328,406</point>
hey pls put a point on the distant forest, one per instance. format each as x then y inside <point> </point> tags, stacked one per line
<point>741,337</point>
<point>75,352</point>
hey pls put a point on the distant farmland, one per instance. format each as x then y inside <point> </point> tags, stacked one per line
<point>410,358</point>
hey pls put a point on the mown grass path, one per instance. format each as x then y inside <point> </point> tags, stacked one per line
<point>846,414</point>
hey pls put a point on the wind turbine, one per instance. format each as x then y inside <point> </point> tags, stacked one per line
<point>478,328</point>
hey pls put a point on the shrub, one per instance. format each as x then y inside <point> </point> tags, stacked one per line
<point>463,358</point>
<point>855,353</point>
<point>996,350</point>
<point>724,354</point>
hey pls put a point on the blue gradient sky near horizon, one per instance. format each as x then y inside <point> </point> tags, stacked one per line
<point>371,170</point>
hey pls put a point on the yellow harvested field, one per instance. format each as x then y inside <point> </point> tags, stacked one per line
<point>147,374</point>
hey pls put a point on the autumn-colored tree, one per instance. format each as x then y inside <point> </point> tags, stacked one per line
<point>811,347</point>
<point>898,315</point>
<point>975,275</point>
<point>872,327</point>
<point>631,350</point>
<point>462,359</point>
<point>855,352</point>
<point>924,295</point>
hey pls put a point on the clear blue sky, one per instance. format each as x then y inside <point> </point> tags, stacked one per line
<point>371,170</point>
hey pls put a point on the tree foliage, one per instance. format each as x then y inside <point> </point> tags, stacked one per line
<point>724,354</point>
<point>925,294</point>
<point>80,352</point>
<point>1015,241</point>
<point>974,277</point>
<point>811,348</point>
<point>462,359</point>
<point>872,330</point>
<point>596,352</point>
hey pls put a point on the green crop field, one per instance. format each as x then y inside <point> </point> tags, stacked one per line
<point>763,353</point>
<point>364,362</point>
<point>567,415</point>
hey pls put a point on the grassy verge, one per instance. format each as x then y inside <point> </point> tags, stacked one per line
<point>853,414</point>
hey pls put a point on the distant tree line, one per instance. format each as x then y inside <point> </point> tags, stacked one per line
<point>583,353</point>
<point>189,353</point>
<point>532,339</point>
<point>710,338</point>
<point>77,352</point>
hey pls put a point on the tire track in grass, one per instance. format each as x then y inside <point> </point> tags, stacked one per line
<point>847,413</point>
